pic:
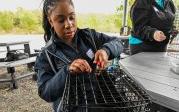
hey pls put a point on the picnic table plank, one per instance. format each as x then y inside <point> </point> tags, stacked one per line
<point>21,62</point>
<point>13,43</point>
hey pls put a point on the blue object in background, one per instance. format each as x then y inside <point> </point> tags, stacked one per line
<point>134,40</point>
<point>160,3</point>
<point>114,65</point>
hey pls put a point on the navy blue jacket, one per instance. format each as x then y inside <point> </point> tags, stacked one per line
<point>51,82</point>
<point>147,17</point>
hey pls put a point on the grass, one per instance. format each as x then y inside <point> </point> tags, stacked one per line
<point>30,22</point>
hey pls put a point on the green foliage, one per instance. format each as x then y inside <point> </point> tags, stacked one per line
<point>100,22</point>
<point>119,11</point>
<point>25,21</point>
<point>6,21</point>
<point>20,21</point>
<point>176,2</point>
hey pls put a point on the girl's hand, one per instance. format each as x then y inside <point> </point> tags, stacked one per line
<point>79,66</point>
<point>101,58</point>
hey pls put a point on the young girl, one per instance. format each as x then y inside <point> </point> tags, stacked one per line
<point>69,50</point>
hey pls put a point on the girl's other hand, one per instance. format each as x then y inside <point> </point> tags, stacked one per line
<point>79,66</point>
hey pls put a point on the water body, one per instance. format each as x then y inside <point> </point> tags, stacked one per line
<point>35,42</point>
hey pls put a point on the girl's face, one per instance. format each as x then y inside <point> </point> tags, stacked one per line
<point>63,19</point>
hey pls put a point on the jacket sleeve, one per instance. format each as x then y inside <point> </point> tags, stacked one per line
<point>50,85</point>
<point>112,45</point>
<point>140,16</point>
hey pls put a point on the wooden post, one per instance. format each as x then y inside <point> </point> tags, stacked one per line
<point>11,70</point>
<point>27,48</point>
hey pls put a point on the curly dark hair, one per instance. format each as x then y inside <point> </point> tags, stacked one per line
<point>48,7</point>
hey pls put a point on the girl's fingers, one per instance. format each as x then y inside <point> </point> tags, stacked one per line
<point>74,69</point>
<point>87,66</point>
<point>80,65</point>
<point>96,58</point>
<point>101,58</point>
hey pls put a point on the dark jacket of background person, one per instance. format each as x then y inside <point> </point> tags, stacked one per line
<point>50,84</point>
<point>147,17</point>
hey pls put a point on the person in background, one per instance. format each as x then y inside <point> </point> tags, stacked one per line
<point>152,25</point>
<point>69,50</point>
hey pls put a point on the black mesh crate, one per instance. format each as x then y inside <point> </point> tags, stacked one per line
<point>103,91</point>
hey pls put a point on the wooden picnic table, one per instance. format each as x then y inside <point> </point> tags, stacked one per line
<point>11,68</point>
<point>11,65</point>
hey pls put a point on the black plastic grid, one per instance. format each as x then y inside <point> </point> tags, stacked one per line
<point>103,92</point>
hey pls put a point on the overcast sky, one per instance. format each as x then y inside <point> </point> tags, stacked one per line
<point>81,6</point>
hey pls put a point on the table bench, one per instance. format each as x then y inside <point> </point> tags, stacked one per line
<point>11,69</point>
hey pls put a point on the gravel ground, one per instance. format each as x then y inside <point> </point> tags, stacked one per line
<point>23,99</point>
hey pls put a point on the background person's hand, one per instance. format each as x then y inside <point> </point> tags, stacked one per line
<point>101,57</point>
<point>159,36</point>
<point>79,66</point>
